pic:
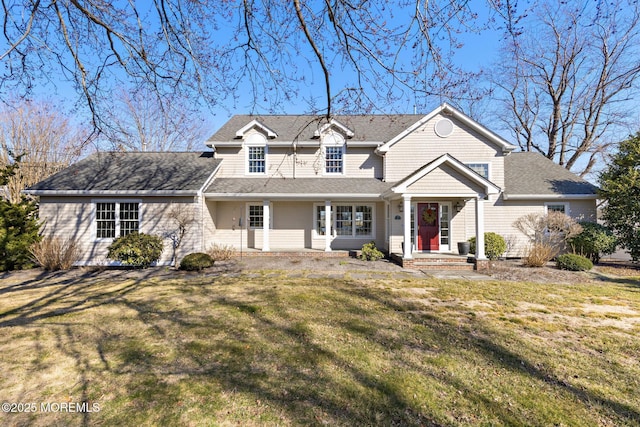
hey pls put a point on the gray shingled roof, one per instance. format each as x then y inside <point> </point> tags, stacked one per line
<point>533,174</point>
<point>132,171</point>
<point>302,187</point>
<point>377,128</point>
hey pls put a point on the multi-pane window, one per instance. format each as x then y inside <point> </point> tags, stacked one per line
<point>560,207</point>
<point>334,159</point>
<point>344,222</point>
<point>256,216</point>
<point>257,159</point>
<point>129,218</point>
<point>105,220</point>
<point>444,225</point>
<point>364,220</point>
<point>321,220</point>
<point>481,169</point>
<point>347,220</point>
<point>116,219</point>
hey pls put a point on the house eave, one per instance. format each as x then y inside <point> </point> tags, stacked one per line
<point>122,193</point>
<point>292,196</point>
<point>549,196</point>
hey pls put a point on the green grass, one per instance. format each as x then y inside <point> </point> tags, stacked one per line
<point>267,349</point>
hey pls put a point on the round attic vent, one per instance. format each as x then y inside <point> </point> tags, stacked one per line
<point>444,128</point>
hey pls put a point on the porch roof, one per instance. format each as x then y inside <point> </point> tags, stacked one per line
<point>449,161</point>
<point>298,188</point>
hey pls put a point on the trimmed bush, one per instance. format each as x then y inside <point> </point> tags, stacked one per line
<point>370,252</point>
<point>573,262</point>
<point>53,253</point>
<point>494,245</point>
<point>136,249</point>
<point>594,240</point>
<point>196,261</point>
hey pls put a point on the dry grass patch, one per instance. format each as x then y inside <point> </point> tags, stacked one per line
<point>268,349</point>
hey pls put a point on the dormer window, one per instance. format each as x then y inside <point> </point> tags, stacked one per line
<point>333,146</point>
<point>256,148</point>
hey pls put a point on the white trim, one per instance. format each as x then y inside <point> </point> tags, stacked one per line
<point>416,220</point>
<point>299,196</point>
<point>482,162</point>
<point>94,228</point>
<point>119,193</point>
<point>261,204</point>
<point>450,111</point>
<point>332,217</point>
<point>209,179</point>
<point>343,147</point>
<point>567,207</point>
<point>275,143</point>
<point>333,123</point>
<point>550,196</point>
<point>255,123</point>
<point>246,159</point>
<point>490,187</point>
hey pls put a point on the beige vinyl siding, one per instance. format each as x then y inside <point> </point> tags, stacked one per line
<point>292,226</point>
<point>423,146</point>
<point>306,162</point>
<point>74,217</point>
<point>444,180</point>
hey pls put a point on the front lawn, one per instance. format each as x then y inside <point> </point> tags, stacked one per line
<point>269,348</point>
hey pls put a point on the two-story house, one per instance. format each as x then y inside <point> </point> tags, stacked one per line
<point>413,184</point>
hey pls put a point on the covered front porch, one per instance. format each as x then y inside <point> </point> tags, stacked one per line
<point>434,209</point>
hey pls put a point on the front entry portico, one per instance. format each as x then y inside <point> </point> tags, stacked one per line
<point>428,196</point>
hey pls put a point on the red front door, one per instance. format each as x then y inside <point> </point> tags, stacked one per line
<point>428,227</point>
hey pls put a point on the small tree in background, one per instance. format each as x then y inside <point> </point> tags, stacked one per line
<point>594,241</point>
<point>620,188</point>
<point>19,225</point>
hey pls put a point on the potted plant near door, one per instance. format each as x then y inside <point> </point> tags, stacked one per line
<point>464,248</point>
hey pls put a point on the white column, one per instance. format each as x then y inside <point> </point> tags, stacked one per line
<point>406,210</point>
<point>327,225</point>
<point>480,229</point>
<point>266,218</point>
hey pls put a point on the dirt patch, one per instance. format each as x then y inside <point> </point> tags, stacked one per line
<point>514,271</point>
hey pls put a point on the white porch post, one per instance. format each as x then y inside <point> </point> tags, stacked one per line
<point>266,219</point>
<point>480,229</point>
<point>327,225</point>
<point>406,208</point>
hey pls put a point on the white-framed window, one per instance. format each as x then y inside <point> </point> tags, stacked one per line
<point>255,215</point>
<point>257,160</point>
<point>321,226</point>
<point>256,149</point>
<point>347,220</point>
<point>333,148</point>
<point>334,160</point>
<point>562,207</point>
<point>481,169</point>
<point>115,219</point>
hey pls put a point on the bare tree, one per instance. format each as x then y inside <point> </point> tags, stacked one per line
<point>566,75</point>
<point>44,137</point>
<point>142,122</point>
<point>219,51</point>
